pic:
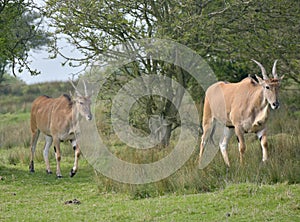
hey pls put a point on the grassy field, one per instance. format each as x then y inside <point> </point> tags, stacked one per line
<point>40,197</point>
<point>249,192</point>
<point>252,192</point>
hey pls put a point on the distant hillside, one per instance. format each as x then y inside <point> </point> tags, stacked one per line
<point>16,96</point>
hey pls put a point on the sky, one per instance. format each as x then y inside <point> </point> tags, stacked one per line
<point>51,69</point>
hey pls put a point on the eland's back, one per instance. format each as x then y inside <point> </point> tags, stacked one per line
<point>231,103</point>
<point>50,115</point>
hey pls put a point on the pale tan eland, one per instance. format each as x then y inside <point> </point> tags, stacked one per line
<point>242,107</point>
<point>58,119</point>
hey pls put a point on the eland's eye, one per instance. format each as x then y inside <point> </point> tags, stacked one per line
<point>267,87</point>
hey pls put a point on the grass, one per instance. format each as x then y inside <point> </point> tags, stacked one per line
<point>40,197</point>
<point>14,130</point>
<point>249,192</point>
<point>283,166</point>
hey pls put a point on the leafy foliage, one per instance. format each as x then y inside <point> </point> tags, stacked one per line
<point>231,31</point>
<point>226,33</point>
<point>20,31</point>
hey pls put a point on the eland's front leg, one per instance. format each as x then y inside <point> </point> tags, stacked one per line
<point>77,154</point>
<point>262,136</point>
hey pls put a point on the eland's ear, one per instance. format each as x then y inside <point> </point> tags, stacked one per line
<point>281,78</point>
<point>260,80</point>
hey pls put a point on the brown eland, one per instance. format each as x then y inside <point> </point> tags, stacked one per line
<point>58,119</point>
<point>241,107</point>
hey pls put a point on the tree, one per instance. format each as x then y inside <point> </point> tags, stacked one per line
<point>226,33</point>
<point>20,23</point>
<point>95,26</point>
<point>233,32</point>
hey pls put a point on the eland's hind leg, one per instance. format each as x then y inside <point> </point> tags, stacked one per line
<point>34,138</point>
<point>207,122</point>
<point>48,142</point>
<point>57,156</point>
<point>242,146</point>
<point>204,138</point>
<point>224,144</point>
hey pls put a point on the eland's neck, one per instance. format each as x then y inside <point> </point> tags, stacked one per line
<point>259,100</point>
<point>75,114</point>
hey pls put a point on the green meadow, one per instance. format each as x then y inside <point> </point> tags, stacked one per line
<point>40,197</point>
<point>250,192</point>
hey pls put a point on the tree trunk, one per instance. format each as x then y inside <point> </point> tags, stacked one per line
<point>171,108</point>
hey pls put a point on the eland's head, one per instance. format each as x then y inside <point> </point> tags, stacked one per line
<point>270,85</point>
<point>83,102</point>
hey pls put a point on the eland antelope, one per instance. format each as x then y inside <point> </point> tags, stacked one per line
<point>241,107</point>
<point>58,118</point>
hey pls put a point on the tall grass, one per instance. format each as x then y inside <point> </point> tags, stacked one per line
<point>283,164</point>
<point>14,130</point>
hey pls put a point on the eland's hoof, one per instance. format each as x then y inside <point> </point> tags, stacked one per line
<point>72,173</point>
<point>31,167</point>
<point>48,172</point>
<point>59,176</point>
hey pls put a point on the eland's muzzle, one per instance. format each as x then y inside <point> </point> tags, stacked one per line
<point>89,117</point>
<point>275,105</point>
